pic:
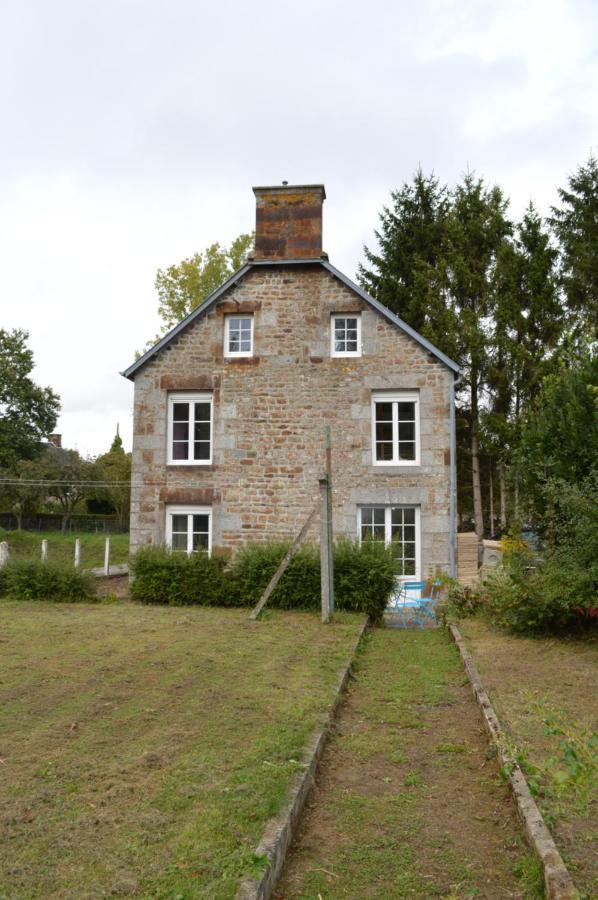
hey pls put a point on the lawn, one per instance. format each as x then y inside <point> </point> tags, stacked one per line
<point>61,547</point>
<point>409,800</point>
<point>544,691</point>
<point>143,749</point>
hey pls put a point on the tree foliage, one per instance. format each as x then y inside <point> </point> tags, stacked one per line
<point>575,224</point>
<point>183,286</point>
<point>115,467</point>
<point>28,412</point>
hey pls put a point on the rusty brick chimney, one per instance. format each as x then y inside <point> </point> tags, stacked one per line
<point>288,221</point>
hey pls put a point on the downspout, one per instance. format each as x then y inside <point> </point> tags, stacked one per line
<point>453,481</point>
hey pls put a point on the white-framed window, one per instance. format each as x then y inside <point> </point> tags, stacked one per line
<point>190,429</point>
<point>238,336</point>
<point>189,528</point>
<point>395,429</point>
<point>396,526</point>
<point>345,335</point>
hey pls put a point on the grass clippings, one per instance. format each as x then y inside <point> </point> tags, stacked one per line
<point>143,749</point>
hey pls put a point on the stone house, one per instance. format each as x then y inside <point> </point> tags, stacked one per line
<point>231,407</point>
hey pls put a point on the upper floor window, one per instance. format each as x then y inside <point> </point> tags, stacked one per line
<point>345,335</point>
<point>190,429</point>
<point>395,429</point>
<point>238,336</point>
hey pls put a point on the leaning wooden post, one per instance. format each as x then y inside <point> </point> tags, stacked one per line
<point>77,553</point>
<point>324,555</point>
<point>44,550</point>
<point>329,519</point>
<point>107,557</point>
<point>3,553</point>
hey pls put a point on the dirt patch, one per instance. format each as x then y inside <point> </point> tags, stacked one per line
<point>528,680</point>
<point>409,802</point>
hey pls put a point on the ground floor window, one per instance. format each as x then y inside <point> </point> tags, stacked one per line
<point>397,526</point>
<point>189,528</point>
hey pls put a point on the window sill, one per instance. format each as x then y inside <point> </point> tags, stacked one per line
<point>184,467</point>
<point>395,469</point>
<point>242,360</point>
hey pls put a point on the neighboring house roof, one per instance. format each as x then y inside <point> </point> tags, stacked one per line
<point>258,263</point>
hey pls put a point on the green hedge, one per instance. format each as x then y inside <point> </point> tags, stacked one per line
<point>177,579</point>
<point>36,580</point>
<point>363,575</point>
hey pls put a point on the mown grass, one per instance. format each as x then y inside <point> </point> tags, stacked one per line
<point>409,805</point>
<point>544,691</point>
<point>143,749</point>
<point>61,547</point>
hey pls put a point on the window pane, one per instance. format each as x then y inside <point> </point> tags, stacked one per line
<point>406,411</point>
<point>409,550</point>
<point>179,523</point>
<point>406,431</point>
<point>384,431</point>
<point>180,431</point>
<point>351,324</point>
<point>180,450</point>
<point>180,412</point>
<point>379,533</point>
<point>379,515</point>
<point>200,541</point>
<point>202,431</point>
<point>397,515</point>
<point>234,344</point>
<point>384,412</point>
<point>367,515</point>
<point>406,450</point>
<point>409,515</point>
<point>201,450</point>
<point>409,567</point>
<point>351,347</point>
<point>234,324</point>
<point>202,412</point>
<point>409,532</point>
<point>179,542</point>
<point>384,452</point>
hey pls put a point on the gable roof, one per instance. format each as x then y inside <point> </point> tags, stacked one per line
<point>259,263</point>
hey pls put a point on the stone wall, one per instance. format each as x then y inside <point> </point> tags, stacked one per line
<point>269,416</point>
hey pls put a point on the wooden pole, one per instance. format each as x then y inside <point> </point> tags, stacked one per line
<point>107,557</point>
<point>324,554</point>
<point>3,553</point>
<point>77,553</point>
<point>330,542</point>
<point>44,550</point>
<point>283,565</point>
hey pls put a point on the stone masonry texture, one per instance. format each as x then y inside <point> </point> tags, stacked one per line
<point>270,412</point>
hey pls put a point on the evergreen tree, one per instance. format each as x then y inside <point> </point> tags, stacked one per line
<point>408,272</point>
<point>478,229</point>
<point>575,224</point>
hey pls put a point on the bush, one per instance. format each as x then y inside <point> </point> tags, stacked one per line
<point>177,579</point>
<point>363,575</point>
<point>36,580</point>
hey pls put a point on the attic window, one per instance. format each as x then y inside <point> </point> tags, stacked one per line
<point>345,335</point>
<point>238,336</point>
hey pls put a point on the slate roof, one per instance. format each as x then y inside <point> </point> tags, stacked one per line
<point>259,263</point>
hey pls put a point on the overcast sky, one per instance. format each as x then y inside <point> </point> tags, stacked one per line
<point>132,132</point>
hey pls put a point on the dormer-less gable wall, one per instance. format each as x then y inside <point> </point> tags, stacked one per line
<point>270,411</point>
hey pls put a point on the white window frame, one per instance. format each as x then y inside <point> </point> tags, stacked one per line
<point>195,397</point>
<point>236,354</point>
<point>396,397</point>
<point>388,532</point>
<point>345,353</point>
<point>189,511</point>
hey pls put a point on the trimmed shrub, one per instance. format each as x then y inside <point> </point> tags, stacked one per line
<point>363,576</point>
<point>177,579</point>
<point>37,580</point>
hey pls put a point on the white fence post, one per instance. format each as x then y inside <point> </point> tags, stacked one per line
<point>44,550</point>
<point>107,557</point>
<point>3,553</point>
<point>77,553</point>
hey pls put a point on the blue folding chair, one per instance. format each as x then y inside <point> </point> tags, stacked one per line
<point>414,604</point>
